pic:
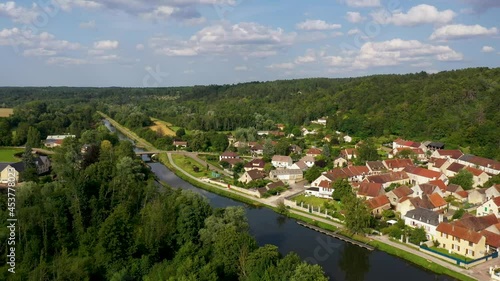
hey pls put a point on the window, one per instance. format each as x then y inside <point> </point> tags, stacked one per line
<point>457,248</point>
<point>458,240</point>
<point>472,253</point>
<point>470,244</point>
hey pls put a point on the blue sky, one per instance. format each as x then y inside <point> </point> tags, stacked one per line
<point>138,43</point>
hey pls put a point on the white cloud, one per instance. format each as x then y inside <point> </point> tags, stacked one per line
<point>241,68</point>
<point>354,17</point>
<point>460,31</point>
<point>246,39</point>
<point>160,13</point>
<point>66,61</point>
<point>480,6</point>
<point>487,49</point>
<point>362,3</point>
<point>106,45</point>
<point>315,25</point>
<point>353,31</point>
<point>309,57</point>
<point>421,14</point>
<point>19,14</point>
<point>139,47</point>
<point>87,24</point>
<point>287,65</point>
<point>38,52</point>
<point>68,5</point>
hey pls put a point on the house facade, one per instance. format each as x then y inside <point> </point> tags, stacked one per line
<point>461,240</point>
<point>287,176</point>
<point>426,219</point>
<point>489,207</point>
<point>280,161</point>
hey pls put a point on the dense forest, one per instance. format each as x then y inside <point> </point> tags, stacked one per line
<point>458,107</point>
<point>104,217</point>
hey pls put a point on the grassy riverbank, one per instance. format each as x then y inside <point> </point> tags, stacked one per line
<point>420,261</point>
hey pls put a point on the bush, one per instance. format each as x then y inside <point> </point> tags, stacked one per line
<point>393,231</point>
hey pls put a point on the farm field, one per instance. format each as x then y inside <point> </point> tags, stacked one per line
<point>6,112</point>
<point>7,154</point>
<point>162,127</point>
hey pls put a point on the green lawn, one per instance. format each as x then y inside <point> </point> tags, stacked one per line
<point>317,202</point>
<point>445,252</point>
<point>187,164</point>
<point>7,154</point>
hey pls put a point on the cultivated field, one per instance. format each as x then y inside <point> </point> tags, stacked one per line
<point>7,154</point>
<point>162,127</point>
<point>6,112</point>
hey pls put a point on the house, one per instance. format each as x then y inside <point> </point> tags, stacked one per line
<point>349,153</point>
<point>433,146</point>
<point>438,164</point>
<point>352,173</point>
<point>424,218</point>
<point>280,161</point>
<point>287,176</point>
<point>228,155</point>
<point>56,140</point>
<point>347,138</point>
<point>271,186</point>
<point>255,164</point>
<point>452,154</point>
<point>323,189</point>
<point>252,175</point>
<point>453,169</point>
<point>339,162</point>
<point>397,165</point>
<point>375,167</point>
<point>417,152</point>
<point>478,176</point>
<point>420,175</point>
<point>488,165</point>
<point>308,160</point>
<point>295,149</point>
<point>493,191</point>
<point>378,204</point>
<point>313,152</point>
<point>477,196</point>
<point>320,121</point>
<point>440,184</point>
<point>400,143</point>
<point>437,201</point>
<point>426,189</point>
<point>9,171</point>
<point>306,132</point>
<point>257,149</point>
<point>461,240</point>
<point>389,178</point>
<point>369,190</point>
<point>491,206</point>
<point>178,144</point>
<point>300,165</point>
<point>396,195</point>
<point>452,188</point>
<point>42,164</point>
<point>461,196</point>
<point>280,127</point>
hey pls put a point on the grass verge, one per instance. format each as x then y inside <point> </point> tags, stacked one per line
<point>8,154</point>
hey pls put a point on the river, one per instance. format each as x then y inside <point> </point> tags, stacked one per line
<point>340,261</point>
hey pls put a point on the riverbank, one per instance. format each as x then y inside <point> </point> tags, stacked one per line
<point>421,259</point>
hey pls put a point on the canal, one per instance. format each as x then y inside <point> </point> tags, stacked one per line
<point>340,261</point>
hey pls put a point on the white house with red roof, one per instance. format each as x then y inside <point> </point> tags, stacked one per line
<point>313,152</point>
<point>420,175</point>
<point>492,192</point>
<point>228,155</point>
<point>323,189</point>
<point>397,165</point>
<point>478,176</point>
<point>489,207</point>
<point>488,165</point>
<point>280,161</point>
<point>452,154</point>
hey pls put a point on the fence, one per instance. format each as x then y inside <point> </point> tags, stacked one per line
<point>311,209</point>
<point>239,189</point>
<point>461,262</point>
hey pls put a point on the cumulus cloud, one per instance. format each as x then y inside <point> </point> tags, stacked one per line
<point>353,31</point>
<point>287,65</point>
<point>418,15</point>
<point>139,47</point>
<point>460,31</point>
<point>106,45</point>
<point>362,3</point>
<point>247,39</point>
<point>487,49</point>
<point>309,57</point>
<point>315,25</point>
<point>38,52</point>
<point>87,24</point>
<point>19,14</point>
<point>480,6</point>
<point>354,17</point>
<point>240,68</point>
<point>66,61</point>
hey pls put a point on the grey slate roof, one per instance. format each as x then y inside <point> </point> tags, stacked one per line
<point>424,215</point>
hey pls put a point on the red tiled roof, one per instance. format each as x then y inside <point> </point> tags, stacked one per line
<point>496,200</point>
<point>463,194</point>
<point>370,189</point>
<point>480,161</point>
<point>440,184</point>
<point>398,163</point>
<point>455,167</point>
<point>256,174</point>
<point>389,177</point>
<point>459,232</point>
<point>422,172</point>
<point>477,223</point>
<point>325,184</point>
<point>452,153</point>
<point>402,191</point>
<point>474,171</point>
<point>255,163</point>
<point>313,151</point>
<point>492,239</point>
<point>407,143</point>
<point>230,154</point>
<point>438,162</point>
<point>436,200</point>
<point>378,202</point>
